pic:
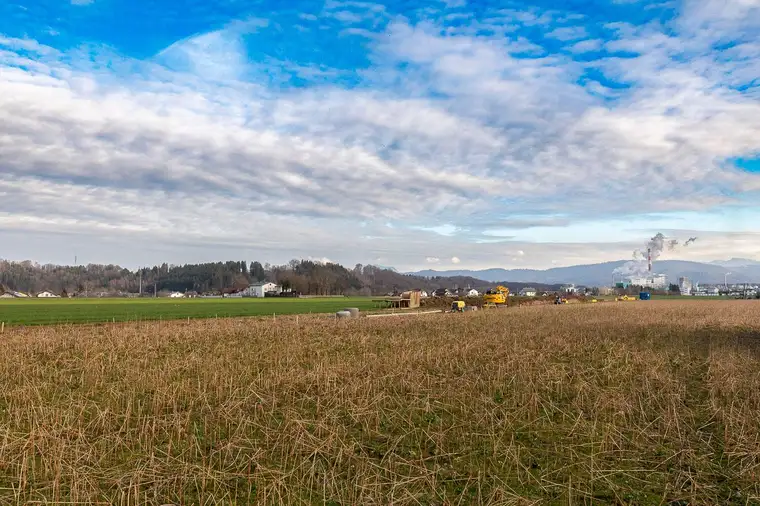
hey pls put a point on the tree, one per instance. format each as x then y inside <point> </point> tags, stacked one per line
<point>257,272</point>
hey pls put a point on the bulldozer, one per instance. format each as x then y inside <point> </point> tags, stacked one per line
<point>496,296</point>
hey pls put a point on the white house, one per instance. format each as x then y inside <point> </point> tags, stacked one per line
<point>176,295</point>
<point>48,295</point>
<point>260,289</point>
<point>568,289</point>
<point>472,293</point>
<point>528,292</point>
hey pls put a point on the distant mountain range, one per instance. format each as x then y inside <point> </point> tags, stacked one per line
<point>741,270</point>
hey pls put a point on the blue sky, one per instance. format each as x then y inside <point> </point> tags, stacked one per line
<point>438,134</point>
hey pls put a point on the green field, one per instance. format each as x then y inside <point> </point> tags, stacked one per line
<point>47,311</point>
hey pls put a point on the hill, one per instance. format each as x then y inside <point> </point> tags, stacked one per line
<point>741,271</point>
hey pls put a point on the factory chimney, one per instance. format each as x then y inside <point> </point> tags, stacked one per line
<point>649,259</point>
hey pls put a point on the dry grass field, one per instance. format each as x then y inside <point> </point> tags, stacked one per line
<point>629,403</point>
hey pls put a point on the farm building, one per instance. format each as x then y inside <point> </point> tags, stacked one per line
<point>472,293</point>
<point>47,294</point>
<point>528,292</point>
<point>176,295</point>
<point>261,289</point>
<point>7,295</point>
<point>409,300</point>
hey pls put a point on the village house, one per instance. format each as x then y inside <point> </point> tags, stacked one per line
<point>261,289</point>
<point>47,294</point>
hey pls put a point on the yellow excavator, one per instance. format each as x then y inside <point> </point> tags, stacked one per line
<point>496,296</point>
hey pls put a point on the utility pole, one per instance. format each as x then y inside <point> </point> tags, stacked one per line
<point>140,282</point>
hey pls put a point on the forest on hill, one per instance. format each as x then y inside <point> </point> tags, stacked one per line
<point>303,276</point>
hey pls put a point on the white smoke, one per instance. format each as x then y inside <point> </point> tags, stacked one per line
<point>655,247</point>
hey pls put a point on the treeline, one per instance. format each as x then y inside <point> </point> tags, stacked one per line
<point>302,276</point>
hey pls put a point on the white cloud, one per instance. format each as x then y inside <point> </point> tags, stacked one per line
<point>567,33</point>
<point>586,46</point>
<point>432,260</point>
<point>455,260</point>
<point>219,55</point>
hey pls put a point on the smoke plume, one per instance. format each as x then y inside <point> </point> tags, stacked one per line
<point>655,247</point>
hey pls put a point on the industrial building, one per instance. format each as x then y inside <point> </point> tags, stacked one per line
<point>685,286</point>
<point>655,281</point>
<point>650,280</point>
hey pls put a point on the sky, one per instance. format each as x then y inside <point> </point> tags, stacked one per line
<point>441,134</point>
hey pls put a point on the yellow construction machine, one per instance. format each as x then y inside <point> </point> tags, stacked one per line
<point>457,306</point>
<point>496,296</point>
<point>625,298</point>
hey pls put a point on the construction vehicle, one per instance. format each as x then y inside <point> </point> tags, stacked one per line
<point>457,306</point>
<point>625,298</point>
<point>498,296</point>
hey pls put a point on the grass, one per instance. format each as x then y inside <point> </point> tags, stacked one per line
<point>640,403</point>
<point>51,311</point>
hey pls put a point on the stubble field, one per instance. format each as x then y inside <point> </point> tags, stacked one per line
<point>632,403</point>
